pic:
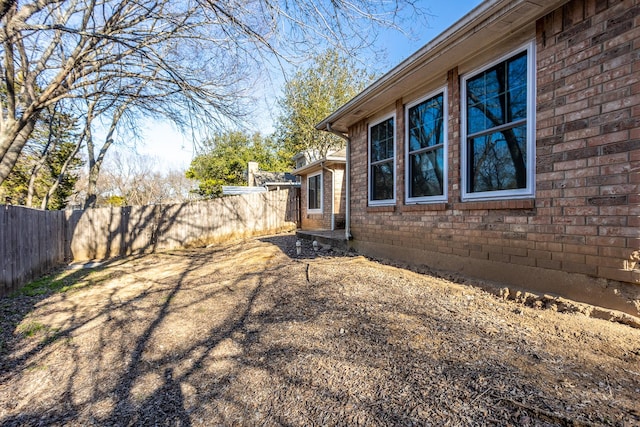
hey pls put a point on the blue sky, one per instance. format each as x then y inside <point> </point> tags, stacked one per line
<point>173,151</point>
<point>443,15</point>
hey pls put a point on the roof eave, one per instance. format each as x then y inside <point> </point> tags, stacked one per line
<point>329,160</point>
<point>488,13</point>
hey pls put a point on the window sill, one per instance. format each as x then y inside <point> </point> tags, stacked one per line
<point>496,204</point>
<point>441,206</point>
<point>382,208</point>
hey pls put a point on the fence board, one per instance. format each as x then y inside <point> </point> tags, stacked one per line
<point>4,255</point>
<point>33,242</point>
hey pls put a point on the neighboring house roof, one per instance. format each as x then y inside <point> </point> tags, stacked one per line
<point>274,178</point>
<point>307,155</point>
<point>275,185</point>
<point>233,190</point>
<point>473,35</point>
<point>261,181</point>
<point>337,157</point>
<point>229,190</point>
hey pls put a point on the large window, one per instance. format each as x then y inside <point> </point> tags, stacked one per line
<point>426,149</point>
<point>382,162</point>
<point>314,193</point>
<point>498,129</point>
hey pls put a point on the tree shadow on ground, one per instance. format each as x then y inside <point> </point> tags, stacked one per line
<point>237,336</point>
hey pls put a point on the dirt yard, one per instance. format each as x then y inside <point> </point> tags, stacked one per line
<point>237,335</point>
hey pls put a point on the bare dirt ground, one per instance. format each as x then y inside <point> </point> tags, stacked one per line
<point>237,335</point>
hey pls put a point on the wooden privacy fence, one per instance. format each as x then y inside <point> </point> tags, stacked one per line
<point>33,242</point>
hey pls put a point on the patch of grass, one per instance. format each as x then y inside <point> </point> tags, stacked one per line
<point>37,287</point>
<point>34,367</point>
<point>62,282</point>
<point>31,328</point>
<point>78,285</point>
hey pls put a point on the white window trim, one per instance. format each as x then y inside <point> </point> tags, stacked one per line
<point>319,210</point>
<point>445,147</point>
<point>523,193</point>
<point>386,202</point>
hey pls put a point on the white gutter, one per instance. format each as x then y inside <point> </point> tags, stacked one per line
<point>347,195</point>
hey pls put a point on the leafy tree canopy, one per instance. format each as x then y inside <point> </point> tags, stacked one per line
<point>224,160</point>
<point>47,169</point>
<point>312,94</point>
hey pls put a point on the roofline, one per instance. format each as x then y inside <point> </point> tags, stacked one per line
<point>281,184</point>
<point>459,30</point>
<point>438,41</point>
<point>313,165</point>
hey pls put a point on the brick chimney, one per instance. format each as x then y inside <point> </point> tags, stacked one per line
<point>252,168</point>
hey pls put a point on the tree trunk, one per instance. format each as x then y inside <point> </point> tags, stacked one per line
<point>12,141</point>
<point>96,163</point>
<point>35,170</point>
<point>32,181</point>
<point>92,185</point>
<point>63,171</point>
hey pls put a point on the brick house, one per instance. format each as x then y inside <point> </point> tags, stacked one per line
<point>322,192</point>
<point>508,148</point>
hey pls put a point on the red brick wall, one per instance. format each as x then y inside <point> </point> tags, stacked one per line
<point>322,221</point>
<point>588,113</point>
<point>339,195</point>
<point>585,216</point>
<point>310,221</point>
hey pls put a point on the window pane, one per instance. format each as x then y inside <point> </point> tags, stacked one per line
<point>517,71</point>
<point>493,82</point>
<point>517,102</point>
<point>312,199</point>
<point>376,149</point>
<point>382,181</point>
<point>497,97</point>
<point>494,111</point>
<point>426,172</point>
<point>476,118</point>
<point>314,192</point>
<point>517,94</point>
<point>475,89</point>
<point>425,124</point>
<point>498,161</point>
<point>382,141</point>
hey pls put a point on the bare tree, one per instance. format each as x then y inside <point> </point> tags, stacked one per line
<point>63,172</point>
<point>188,60</point>
<point>129,179</point>
<point>41,160</point>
